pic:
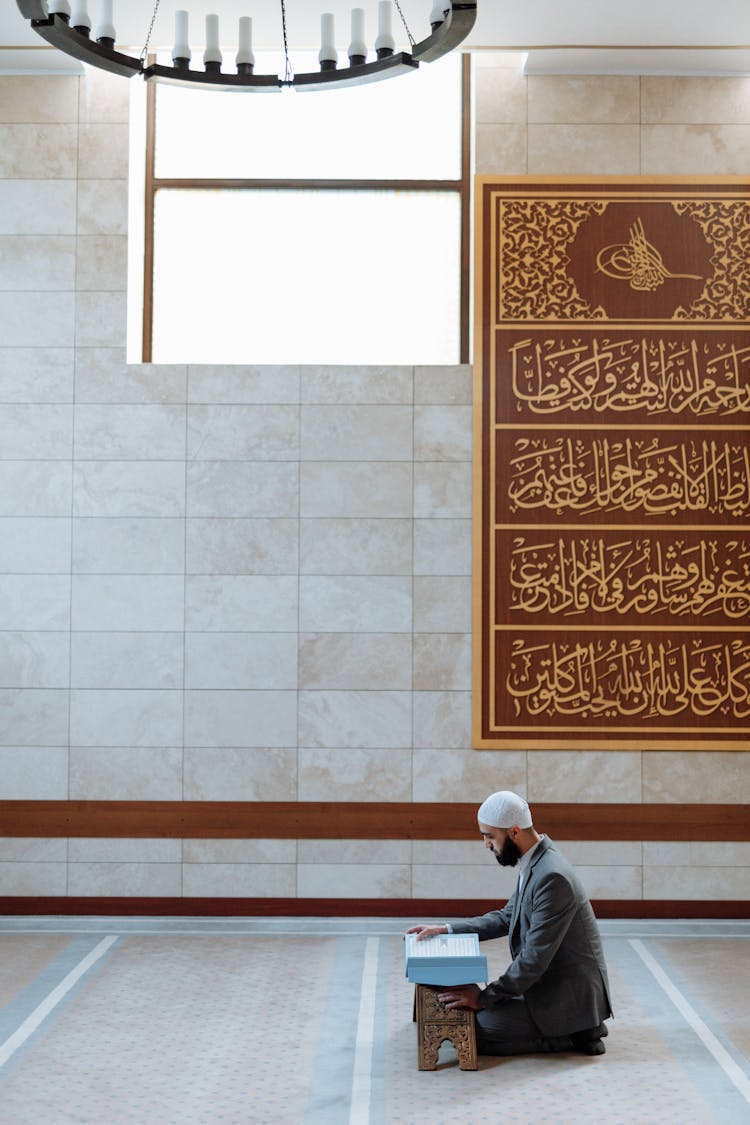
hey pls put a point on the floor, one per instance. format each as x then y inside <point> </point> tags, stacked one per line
<point>200,1021</point>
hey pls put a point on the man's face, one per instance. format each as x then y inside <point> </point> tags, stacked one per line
<point>501,843</point>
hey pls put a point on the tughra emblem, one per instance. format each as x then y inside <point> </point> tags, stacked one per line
<point>637,261</point>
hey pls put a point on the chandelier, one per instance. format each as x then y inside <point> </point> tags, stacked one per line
<point>69,28</point>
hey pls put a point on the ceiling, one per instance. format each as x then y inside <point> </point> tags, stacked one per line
<point>559,36</point>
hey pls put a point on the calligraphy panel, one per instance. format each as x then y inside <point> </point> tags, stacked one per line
<point>612,464</point>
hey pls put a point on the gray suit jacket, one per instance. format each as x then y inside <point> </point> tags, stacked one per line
<point>558,965</point>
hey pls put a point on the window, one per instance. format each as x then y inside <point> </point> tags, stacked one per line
<point>328,227</point>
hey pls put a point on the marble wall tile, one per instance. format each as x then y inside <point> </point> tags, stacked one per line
<point>34,545</point>
<point>37,207</point>
<point>355,661</point>
<point>46,263</point>
<point>243,488</point>
<point>38,99</point>
<point>36,375</point>
<point>451,853</point>
<point>35,488</point>
<point>442,433</point>
<point>33,717</point>
<point>241,660</point>
<point>101,319</point>
<point>103,98</point>
<point>38,152</point>
<point>36,431</point>
<point>134,602</point>
<point>442,605</point>
<point>34,660</point>
<point>125,774</point>
<point>354,851</point>
<point>356,433</point>
<point>34,773</point>
<point>347,490</point>
<point>696,853</point>
<point>102,207</point>
<point>234,384</point>
<point>713,777</point>
<point>86,849</point>
<point>341,880</point>
<point>442,491</point>
<point>125,718</point>
<point>500,149</point>
<point>128,488</point>
<point>239,851</point>
<point>24,849</point>
<point>714,884</point>
<point>591,775</point>
<point>35,601</point>
<point>242,546</point>
<point>345,604</point>
<point>363,720</point>
<point>373,385</point>
<point>355,546</point>
<point>37,320</point>
<point>612,882</point>
<point>442,547</point>
<point>126,660</point>
<point>584,149</point>
<point>500,96</point>
<point>442,662</point>
<point>129,546</point>
<point>354,775</point>
<point>602,853</point>
<point>680,149</point>
<point>101,262</point>
<point>239,880</point>
<point>243,433</point>
<point>33,879</point>
<point>695,100</point>
<point>103,151</point>
<point>464,774</point>
<point>149,880</point>
<point>241,718</point>
<point>481,882</point>
<point>221,773</point>
<point>442,719</point>
<point>584,99</point>
<point>253,603</point>
<point>451,385</point>
<point>102,375</point>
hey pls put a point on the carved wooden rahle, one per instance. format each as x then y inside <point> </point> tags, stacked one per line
<point>435,1024</point>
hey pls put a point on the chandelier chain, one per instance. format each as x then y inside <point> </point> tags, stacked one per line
<point>144,52</point>
<point>288,72</point>
<point>412,40</point>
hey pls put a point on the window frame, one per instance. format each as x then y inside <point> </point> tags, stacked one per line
<point>461,186</point>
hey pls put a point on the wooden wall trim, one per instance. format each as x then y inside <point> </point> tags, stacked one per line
<point>362,820</point>
<point>346,907</point>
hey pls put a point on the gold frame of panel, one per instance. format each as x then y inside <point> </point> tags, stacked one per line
<point>674,277</point>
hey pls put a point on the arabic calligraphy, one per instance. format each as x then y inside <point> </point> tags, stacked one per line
<point>628,678</point>
<point>682,577</point>
<point>650,475</point>
<point>637,261</point>
<point>624,374</point>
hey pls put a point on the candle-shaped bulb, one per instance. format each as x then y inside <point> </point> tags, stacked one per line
<point>181,54</point>
<point>80,18</point>
<point>105,30</point>
<point>357,47</point>
<point>437,15</point>
<point>328,55</point>
<point>59,8</point>
<point>245,56</point>
<point>385,44</point>
<point>212,56</point>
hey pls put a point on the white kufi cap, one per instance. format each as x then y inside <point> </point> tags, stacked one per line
<point>505,810</point>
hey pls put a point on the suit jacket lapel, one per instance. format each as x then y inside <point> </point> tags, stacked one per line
<point>542,848</point>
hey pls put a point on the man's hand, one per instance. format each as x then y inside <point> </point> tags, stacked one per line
<point>461,996</point>
<point>423,932</point>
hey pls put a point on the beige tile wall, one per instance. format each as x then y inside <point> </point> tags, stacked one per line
<point>242,582</point>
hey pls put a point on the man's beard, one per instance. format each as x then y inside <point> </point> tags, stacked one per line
<point>510,853</point>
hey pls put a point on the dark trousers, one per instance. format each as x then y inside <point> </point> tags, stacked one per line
<point>510,1030</point>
